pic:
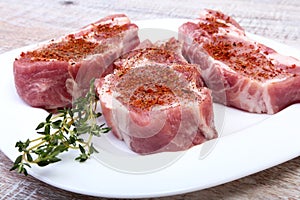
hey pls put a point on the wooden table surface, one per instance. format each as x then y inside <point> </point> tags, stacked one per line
<point>31,21</point>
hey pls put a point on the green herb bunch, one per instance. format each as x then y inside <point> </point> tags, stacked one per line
<point>61,132</point>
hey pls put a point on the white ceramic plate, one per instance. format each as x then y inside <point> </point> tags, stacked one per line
<point>249,143</point>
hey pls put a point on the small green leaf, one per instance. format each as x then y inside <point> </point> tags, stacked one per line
<point>98,114</point>
<point>82,150</point>
<point>49,117</point>
<point>82,158</point>
<point>21,169</point>
<point>29,158</point>
<point>56,124</point>
<point>80,140</point>
<point>43,163</point>
<point>105,130</point>
<point>92,149</point>
<point>47,129</point>
<point>72,140</point>
<point>41,125</point>
<point>20,146</point>
<point>14,167</point>
<point>54,159</point>
<point>28,165</point>
<point>25,171</point>
<point>18,160</point>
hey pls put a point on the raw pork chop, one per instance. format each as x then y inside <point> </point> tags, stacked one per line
<point>240,72</point>
<point>50,75</point>
<point>155,101</point>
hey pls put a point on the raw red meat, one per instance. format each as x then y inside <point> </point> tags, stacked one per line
<point>155,101</point>
<point>49,76</point>
<point>240,72</point>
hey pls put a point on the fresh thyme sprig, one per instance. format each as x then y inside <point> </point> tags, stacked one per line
<point>61,132</point>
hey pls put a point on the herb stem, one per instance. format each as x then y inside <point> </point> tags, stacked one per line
<point>35,146</point>
<point>36,139</point>
<point>68,124</point>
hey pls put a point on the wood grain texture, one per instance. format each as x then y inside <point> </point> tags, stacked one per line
<point>28,22</point>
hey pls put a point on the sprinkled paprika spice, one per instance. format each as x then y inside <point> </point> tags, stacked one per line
<point>72,49</point>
